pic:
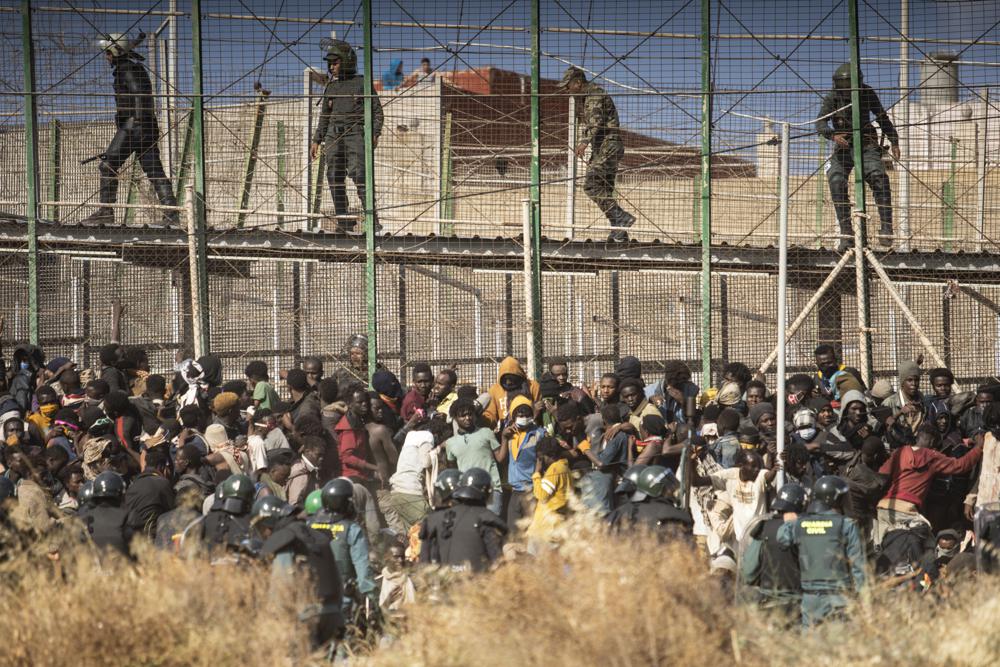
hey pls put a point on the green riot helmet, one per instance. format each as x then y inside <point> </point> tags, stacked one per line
<point>447,482</point>
<point>237,493</point>
<point>338,496</point>
<point>630,480</point>
<point>842,76</point>
<point>656,481</point>
<point>792,497</point>
<point>108,485</point>
<point>475,486</point>
<point>336,49</point>
<point>314,501</point>
<point>828,493</point>
<point>269,510</point>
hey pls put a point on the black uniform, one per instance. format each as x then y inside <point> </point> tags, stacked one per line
<point>138,132</point>
<point>296,547</point>
<point>462,536</point>
<point>108,528</point>
<point>341,131</point>
<point>657,514</point>
<point>772,570</point>
<point>222,529</point>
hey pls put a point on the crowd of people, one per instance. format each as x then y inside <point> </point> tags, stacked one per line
<point>360,481</point>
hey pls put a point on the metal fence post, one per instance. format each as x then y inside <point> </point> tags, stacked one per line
<point>55,167</point>
<point>30,166</point>
<point>782,289</point>
<point>533,244</point>
<point>198,194</point>
<point>706,194</point>
<point>860,235</point>
<point>369,202</point>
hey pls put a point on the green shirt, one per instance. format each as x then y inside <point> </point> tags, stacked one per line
<point>266,395</point>
<point>475,450</point>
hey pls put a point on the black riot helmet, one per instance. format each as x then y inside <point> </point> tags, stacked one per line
<point>108,485</point>
<point>338,496</point>
<point>792,497</point>
<point>842,76</point>
<point>269,510</point>
<point>475,486</point>
<point>828,493</point>
<point>447,482</point>
<point>630,480</point>
<point>337,49</point>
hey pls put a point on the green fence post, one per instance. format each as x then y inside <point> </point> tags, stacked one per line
<point>535,192</point>
<point>184,168</point>
<point>250,160</point>
<point>201,327</point>
<point>369,202</point>
<point>861,237</point>
<point>279,195</point>
<point>447,202</point>
<point>30,166</point>
<point>820,190</point>
<point>55,167</point>
<point>948,199</point>
<point>706,194</point>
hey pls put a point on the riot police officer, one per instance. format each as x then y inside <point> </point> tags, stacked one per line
<point>628,486</point>
<point>294,547</point>
<point>650,505</point>
<point>347,540</point>
<point>137,130</point>
<point>447,481</point>
<point>313,503</point>
<point>227,524</point>
<point>467,535</point>
<point>831,552</point>
<point>107,522</point>
<point>341,128</point>
<point>835,123</point>
<point>770,570</point>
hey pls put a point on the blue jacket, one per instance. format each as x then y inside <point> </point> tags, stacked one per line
<point>520,470</point>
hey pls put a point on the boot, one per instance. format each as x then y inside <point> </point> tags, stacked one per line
<point>618,236</point>
<point>165,195</point>
<point>885,235</point>
<point>619,217</point>
<point>102,216</point>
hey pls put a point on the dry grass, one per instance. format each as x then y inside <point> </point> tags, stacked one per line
<point>598,600</point>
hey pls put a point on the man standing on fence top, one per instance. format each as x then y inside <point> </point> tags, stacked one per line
<point>341,127</point>
<point>137,130</point>
<point>599,128</point>
<point>836,112</point>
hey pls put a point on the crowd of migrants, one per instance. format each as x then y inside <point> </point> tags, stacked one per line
<point>890,484</point>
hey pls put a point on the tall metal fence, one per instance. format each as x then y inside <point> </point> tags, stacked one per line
<point>491,243</point>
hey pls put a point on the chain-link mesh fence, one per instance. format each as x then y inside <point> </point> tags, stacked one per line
<point>694,93</point>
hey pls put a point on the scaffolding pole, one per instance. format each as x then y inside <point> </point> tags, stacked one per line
<point>369,202</point>
<point>860,217</point>
<point>30,166</point>
<point>199,273</point>
<point>533,243</point>
<point>706,194</point>
<point>903,209</point>
<point>782,296</point>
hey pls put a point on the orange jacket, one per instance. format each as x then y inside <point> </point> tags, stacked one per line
<point>499,406</point>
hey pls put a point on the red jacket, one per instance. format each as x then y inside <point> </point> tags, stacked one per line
<point>352,444</point>
<point>911,471</point>
<point>411,403</point>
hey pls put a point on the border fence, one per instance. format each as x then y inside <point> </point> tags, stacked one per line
<point>489,244</point>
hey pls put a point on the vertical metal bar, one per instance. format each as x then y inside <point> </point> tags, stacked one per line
<point>194,294</point>
<point>132,198</point>
<point>279,194</point>
<point>508,312</point>
<point>571,168</point>
<point>55,166</point>
<point>903,207</point>
<point>696,207</point>
<point>250,160</point>
<point>948,199</point>
<point>535,191</point>
<point>782,290</point>
<point>447,202</point>
<point>860,220</point>
<point>946,302</point>
<point>982,147</point>
<point>706,193</point>
<point>724,317</point>
<point>172,86</point>
<point>529,296</point>
<point>820,191</point>
<point>199,192</point>
<point>616,316</point>
<point>310,173</point>
<point>401,308</point>
<point>298,275</point>
<point>85,315</point>
<point>183,162</point>
<point>369,203</point>
<point>30,165</point>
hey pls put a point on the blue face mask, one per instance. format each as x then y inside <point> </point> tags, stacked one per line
<point>24,366</point>
<point>808,433</point>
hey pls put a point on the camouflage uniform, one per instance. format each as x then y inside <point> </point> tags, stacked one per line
<point>842,160</point>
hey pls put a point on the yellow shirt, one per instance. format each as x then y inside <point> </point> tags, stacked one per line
<point>552,494</point>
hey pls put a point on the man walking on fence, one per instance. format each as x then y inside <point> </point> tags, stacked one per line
<point>137,130</point>
<point>599,129</point>
<point>836,112</point>
<point>341,129</point>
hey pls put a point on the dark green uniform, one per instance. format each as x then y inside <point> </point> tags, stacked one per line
<point>341,130</point>
<point>842,160</point>
<point>831,561</point>
<point>599,127</point>
<point>771,571</point>
<point>350,549</point>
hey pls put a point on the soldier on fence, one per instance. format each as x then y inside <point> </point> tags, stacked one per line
<point>599,129</point>
<point>341,128</point>
<point>836,112</point>
<point>137,130</point>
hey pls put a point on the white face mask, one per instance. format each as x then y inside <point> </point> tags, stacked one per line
<point>807,433</point>
<point>523,422</point>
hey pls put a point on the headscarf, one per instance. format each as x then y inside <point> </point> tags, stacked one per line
<point>391,78</point>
